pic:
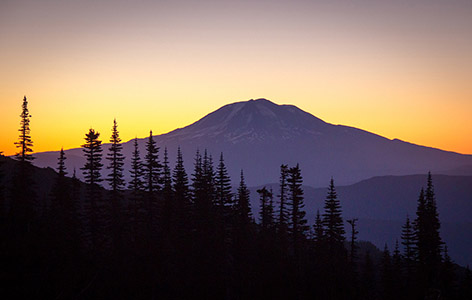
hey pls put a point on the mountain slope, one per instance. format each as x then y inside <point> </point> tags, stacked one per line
<point>258,136</point>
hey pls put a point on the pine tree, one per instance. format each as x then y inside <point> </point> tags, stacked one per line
<point>182,204</point>
<point>116,181</point>
<point>408,241</point>
<point>136,185</point>
<point>167,194</point>
<point>243,206</point>
<point>283,208</point>
<point>152,177</point>
<point>332,220</point>
<point>428,240</point>
<point>25,143</point>
<point>266,214</point>
<point>223,185</point>
<point>298,224</point>
<point>116,162</point>
<point>23,197</point>
<point>433,223</point>
<point>93,155</point>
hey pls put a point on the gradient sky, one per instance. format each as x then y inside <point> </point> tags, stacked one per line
<point>401,69</point>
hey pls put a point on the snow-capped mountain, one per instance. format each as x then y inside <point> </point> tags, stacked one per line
<point>259,135</point>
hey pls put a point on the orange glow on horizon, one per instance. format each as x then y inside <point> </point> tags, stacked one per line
<point>397,71</point>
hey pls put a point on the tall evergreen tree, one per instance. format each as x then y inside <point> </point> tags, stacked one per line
<point>243,206</point>
<point>266,212</point>
<point>136,185</point>
<point>408,241</point>
<point>298,223</point>
<point>387,275</point>
<point>223,185</point>
<point>332,220</point>
<point>93,156</point>
<point>116,181</point>
<point>283,207</point>
<point>428,240</point>
<point>116,162</point>
<point>152,177</point>
<point>182,204</point>
<point>167,194</point>
<point>23,197</point>
<point>25,143</point>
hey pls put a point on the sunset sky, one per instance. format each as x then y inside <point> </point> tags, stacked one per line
<point>401,69</point>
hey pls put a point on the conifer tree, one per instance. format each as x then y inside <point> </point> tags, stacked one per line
<point>25,143</point>
<point>167,207</point>
<point>332,220</point>
<point>408,241</point>
<point>23,197</point>
<point>447,276</point>
<point>243,206</point>
<point>93,156</point>
<point>181,198</point>
<point>152,177</point>
<point>266,214</point>
<point>116,162</point>
<point>298,224</point>
<point>136,185</point>
<point>116,181</point>
<point>223,185</point>
<point>283,207</point>
<point>428,240</point>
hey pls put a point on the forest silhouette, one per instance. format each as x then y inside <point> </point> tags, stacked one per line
<point>170,235</point>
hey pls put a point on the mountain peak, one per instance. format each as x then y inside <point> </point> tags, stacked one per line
<point>254,119</point>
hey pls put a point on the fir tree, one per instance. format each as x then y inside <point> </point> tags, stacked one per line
<point>223,185</point>
<point>25,143</point>
<point>243,206</point>
<point>408,241</point>
<point>116,181</point>
<point>91,170</point>
<point>266,214</point>
<point>116,162</point>
<point>152,177</point>
<point>298,224</point>
<point>332,220</point>
<point>428,240</point>
<point>22,194</point>
<point>283,208</point>
<point>181,191</point>
<point>136,185</point>
<point>167,194</point>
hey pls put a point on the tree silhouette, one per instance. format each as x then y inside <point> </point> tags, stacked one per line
<point>332,220</point>
<point>25,143</point>
<point>298,225</point>
<point>136,185</point>
<point>22,193</point>
<point>93,156</point>
<point>152,177</point>
<point>116,159</point>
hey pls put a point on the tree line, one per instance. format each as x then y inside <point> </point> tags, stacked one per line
<point>165,234</point>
